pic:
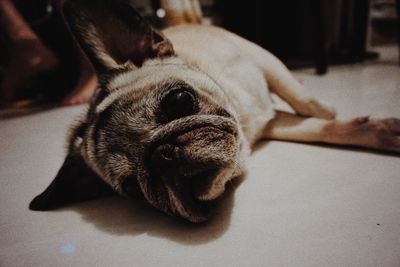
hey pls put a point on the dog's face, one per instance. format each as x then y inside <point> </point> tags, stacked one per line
<point>157,128</point>
<point>167,138</point>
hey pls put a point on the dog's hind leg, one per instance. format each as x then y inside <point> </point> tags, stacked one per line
<point>380,134</point>
<point>282,82</point>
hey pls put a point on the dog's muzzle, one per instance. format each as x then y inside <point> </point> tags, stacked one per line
<point>189,154</point>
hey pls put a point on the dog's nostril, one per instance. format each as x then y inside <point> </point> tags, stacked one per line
<point>178,103</point>
<point>163,154</point>
<point>163,159</point>
<point>166,152</point>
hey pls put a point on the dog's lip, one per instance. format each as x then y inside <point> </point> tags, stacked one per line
<point>196,210</point>
<point>199,188</point>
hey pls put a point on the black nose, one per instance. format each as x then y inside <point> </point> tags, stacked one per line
<point>195,178</point>
<point>178,103</point>
<point>163,158</point>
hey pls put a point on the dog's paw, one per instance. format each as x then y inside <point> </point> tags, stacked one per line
<point>382,134</point>
<point>318,109</point>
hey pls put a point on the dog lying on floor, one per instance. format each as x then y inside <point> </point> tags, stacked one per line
<point>176,113</point>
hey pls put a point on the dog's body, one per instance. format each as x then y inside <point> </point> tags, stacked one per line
<point>226,59</point>
<point>175,116</point>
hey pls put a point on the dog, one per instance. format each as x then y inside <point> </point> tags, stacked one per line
<point>176,113</point>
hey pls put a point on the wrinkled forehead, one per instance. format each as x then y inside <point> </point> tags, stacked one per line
<point>156,73</point>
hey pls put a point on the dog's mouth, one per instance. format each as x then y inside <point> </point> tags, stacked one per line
<point>185,199</point>
<point>187,169</point>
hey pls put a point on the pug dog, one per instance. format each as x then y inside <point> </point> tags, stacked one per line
<point>176,113</point>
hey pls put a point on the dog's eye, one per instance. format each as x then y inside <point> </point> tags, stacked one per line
<point>178,103</point>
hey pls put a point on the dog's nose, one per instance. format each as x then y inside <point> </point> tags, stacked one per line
<point>163,158</point>
<point>178,103</point>
<point>195,178</point>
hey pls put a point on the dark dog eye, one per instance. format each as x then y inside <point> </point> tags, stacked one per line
<point>178,103</point>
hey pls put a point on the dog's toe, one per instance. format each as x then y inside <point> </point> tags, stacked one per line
<point>386,133</point>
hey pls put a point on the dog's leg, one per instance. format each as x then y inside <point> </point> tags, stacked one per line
<point>282,82</point>
<point>381,134</point>
<point>292,91</point>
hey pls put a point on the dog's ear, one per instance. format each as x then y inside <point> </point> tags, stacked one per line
<point>74,182</point>
<point>113,34</point>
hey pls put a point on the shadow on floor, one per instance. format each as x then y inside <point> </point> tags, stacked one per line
<point>263,143</point>
<point>119,216</point>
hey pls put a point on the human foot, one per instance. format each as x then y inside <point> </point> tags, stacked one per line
<point>83,91</point>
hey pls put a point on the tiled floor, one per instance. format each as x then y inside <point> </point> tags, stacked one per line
<point>300,205</point>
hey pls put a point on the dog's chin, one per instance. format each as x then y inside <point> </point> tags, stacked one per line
<point>191,202</point>
<point>190,208</point>
<point>196,202</point>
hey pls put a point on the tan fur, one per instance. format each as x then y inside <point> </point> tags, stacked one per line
<point>181,163</point>
<point>363,131</point>
<point>247,72</point>
<point>237,75</point>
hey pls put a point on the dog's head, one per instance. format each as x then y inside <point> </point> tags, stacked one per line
<point>156,129</point>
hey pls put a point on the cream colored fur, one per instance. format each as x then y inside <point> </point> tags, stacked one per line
<point>247,74</point>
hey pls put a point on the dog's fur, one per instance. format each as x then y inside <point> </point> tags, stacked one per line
<point>179,161</point>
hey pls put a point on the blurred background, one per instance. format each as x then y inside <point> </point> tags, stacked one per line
<point>308,32</point>
<point>37,53</point>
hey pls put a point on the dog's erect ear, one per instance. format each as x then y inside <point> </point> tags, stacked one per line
<point>113,34</point>
<point>74,182</point>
